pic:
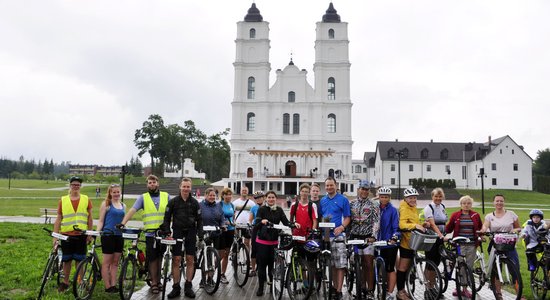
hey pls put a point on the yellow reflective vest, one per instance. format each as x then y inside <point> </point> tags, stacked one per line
<point>72,217</point>
<point>153,218</point>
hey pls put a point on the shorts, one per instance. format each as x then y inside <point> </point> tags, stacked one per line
<point>152,253</point>
<point>339,255</point>
<point>369,250</point>
<point>112,244</point>
<point>389,255</point>
<point>434,254</point>
<point>245,233</point>
<point>74,248</point>
<point>406,253</point>
<point>226,239</point>
<point>190,245</point>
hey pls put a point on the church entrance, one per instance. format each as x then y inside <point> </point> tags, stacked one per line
<point>290,169</point>
<point>249,173</point>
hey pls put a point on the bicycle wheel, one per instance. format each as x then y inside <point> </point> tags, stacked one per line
<point>479,272</point>
<point>165,273</point>
<point>358,277</point>
<point>465,281</point>
<point>444,277</point>
<point>326,277</point>
<point>279,269</point>
<point>47,274</point>
<point>85,278</point>
<point>511,279</point>
<point>241,263</point>
<point>350,274</point>
<point>380,279</point>
<point>539,278</point>
<point>423,280</point>
<point>127,277</point>
<point>299,279</point>
<point>211,270</point>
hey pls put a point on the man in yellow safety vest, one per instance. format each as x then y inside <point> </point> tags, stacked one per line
<point>73,209</point>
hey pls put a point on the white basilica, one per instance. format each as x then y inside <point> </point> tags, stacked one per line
<point>292,132</point>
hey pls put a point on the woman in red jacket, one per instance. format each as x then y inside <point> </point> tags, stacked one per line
<point>465,223</point>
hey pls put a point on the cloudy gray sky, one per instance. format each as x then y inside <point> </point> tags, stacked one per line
<point>77,78</point>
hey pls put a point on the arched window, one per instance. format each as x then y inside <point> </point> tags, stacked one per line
<point>391,153</point>
<point>331,88</point>
<point>424,153</point>
<point>444,154</point>
<point>357,168</point>
<point>252,33</point>
<point>251,87</point>
<point>250,121</point>
<point>405,153</point>
<point>296,124</point>
<point>331,34</point>
<point>291,96</point>
<point>286,123</point>
<point>331,123</point>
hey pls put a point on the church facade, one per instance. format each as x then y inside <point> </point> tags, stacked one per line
<point>291,132</point>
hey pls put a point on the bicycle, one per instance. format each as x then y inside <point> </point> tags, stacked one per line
<point>418,284</point>
<point>479,269</point>
<point>133,263</point>
<point>240,257</point>
<point>281,262</point>
<point>453,260</point>
<point>324,271</point>
<point>166,263</point>
<point>300,273</point>
<point>356,266</point>
<point>540,281</point>
<point>209,262</point>
<point>54,265</point>
<point>503,272</point>
<point>88,271</point>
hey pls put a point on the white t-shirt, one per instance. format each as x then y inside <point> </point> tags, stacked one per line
<point>244,216</point>
<point>502,224</point>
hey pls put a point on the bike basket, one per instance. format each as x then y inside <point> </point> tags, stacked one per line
<point>422,241</point>
<point>286,242</point>
<point>505,241</point>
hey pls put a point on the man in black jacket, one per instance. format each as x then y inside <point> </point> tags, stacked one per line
<point>184,213</point>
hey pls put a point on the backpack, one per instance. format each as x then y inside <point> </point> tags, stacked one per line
<point>294,207</point>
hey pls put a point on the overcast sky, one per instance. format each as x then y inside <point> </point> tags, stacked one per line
<point>77,78</point>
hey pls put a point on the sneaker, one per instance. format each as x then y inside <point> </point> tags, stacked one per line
<point>467,294</point>
<point>390,297</point>
<point>223,279</point>
<point>369,295</point>
<point>62,287</point>
<point>201,284</point>
<point>189,290</point>
<point>455,293</point>
<point>176,291</point>
<point>403,295</point>
<point>338,296</point>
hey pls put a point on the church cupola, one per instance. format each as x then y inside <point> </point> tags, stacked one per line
<point>330,16</point>
<point>254,15</point>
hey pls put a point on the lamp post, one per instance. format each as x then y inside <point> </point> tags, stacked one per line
<point>399,154</point>
<point>123,173</point>
<point>482,175</point>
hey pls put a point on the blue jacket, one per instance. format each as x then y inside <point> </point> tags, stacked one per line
<point>212,214</point>
<point>389,223</point>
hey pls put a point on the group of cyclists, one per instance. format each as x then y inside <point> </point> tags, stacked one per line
<point>366,217</point>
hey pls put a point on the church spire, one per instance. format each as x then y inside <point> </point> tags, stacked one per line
<point>253,14</point>
<point>331,16</point>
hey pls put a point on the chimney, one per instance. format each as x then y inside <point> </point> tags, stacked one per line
<point>432,140</point>
<point>489,140</point>
<point>396,140</point>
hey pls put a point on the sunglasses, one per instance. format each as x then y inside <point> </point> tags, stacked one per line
<point>115,185</point>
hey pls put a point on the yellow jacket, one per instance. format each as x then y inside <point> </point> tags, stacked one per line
<point>408,219</point>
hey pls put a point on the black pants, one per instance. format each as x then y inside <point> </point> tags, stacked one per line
<point>265,256</point>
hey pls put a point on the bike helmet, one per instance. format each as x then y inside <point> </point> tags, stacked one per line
<point>410,192</point>
<point>384,191</point>
<point>258,194</point>
<point>312,246</point>
<point>285,242</point>
<point>363,185</point>
<point>536,212</point>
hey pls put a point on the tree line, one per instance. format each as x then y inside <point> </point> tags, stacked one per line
<point>30,169</point>
<point>169,144</point>
<point>541,171</point>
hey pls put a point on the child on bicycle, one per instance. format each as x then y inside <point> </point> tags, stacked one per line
<point>530,233</point>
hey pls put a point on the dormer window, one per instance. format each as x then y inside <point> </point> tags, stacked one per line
<point>252,34</point>
<point>331,34</point>
<point>391,153</point>
<point>424,153</point>
<point>405,153</point>
<point>444,154</point>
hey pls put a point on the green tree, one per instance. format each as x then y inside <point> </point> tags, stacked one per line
<point>149,138</point>
<point>541,164</point>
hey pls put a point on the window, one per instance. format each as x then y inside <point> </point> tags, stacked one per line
<point>424,153</point>
<point>357,169</point>
<point>428,168</point>
<point>392,167</point>
<point>464,172</point>
<point>296,124</point>
<point>331,34</point>
<point>512,151</point>
<point>392,181</point>
<point>448,169</point>
<point>405,153</point>
<point>286,123</point>
<point>291,96</point>
<point>251,87</point>
<point>500,151</point>
<point>494,181</point>
<point>494,166</point>
<point>391,153</point>
<point>250,122</point>
<point>331,123</point>
<point>252,33</point>
<point>331,89</point>
<point>411,168</point>
<point>515,167</point>
<point>516,181</point>
<point>444,154</point>
<point>364,170</point>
